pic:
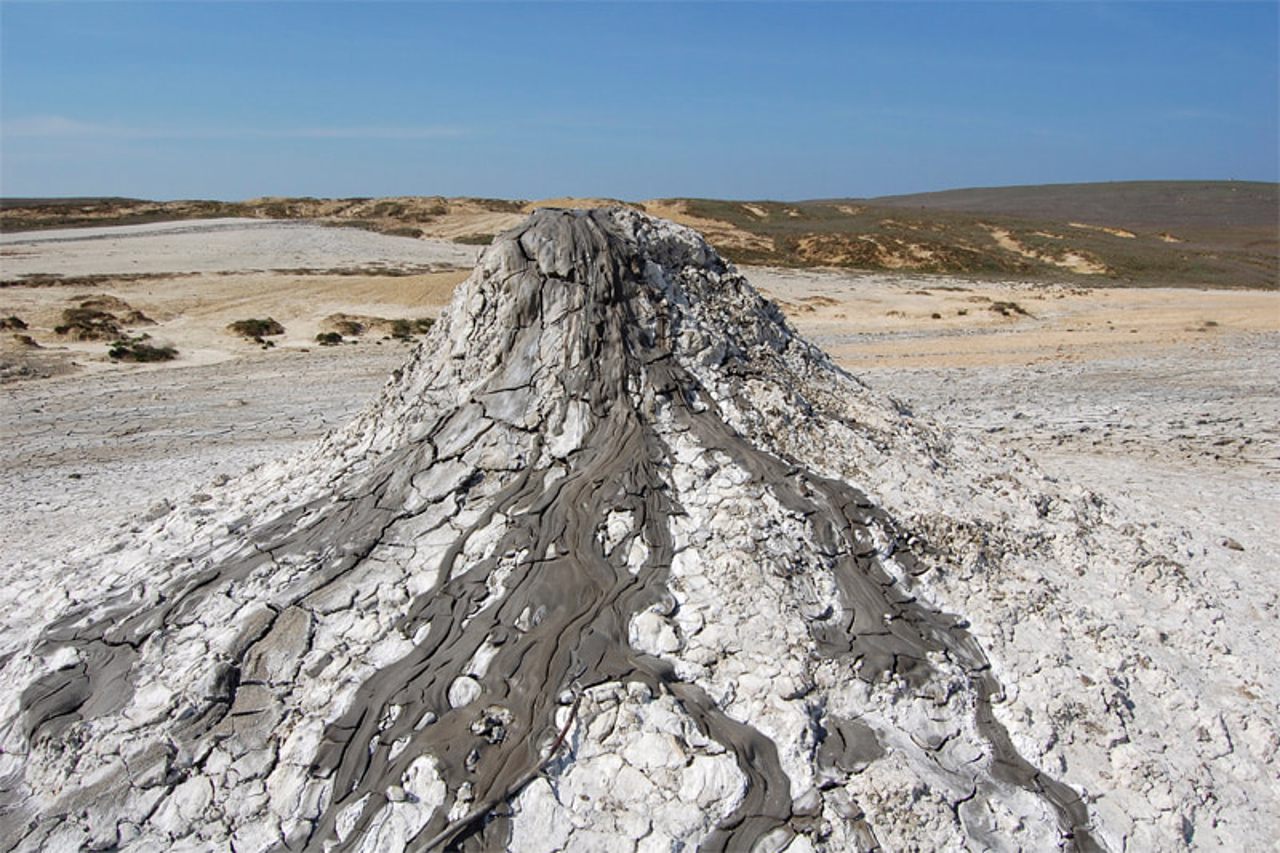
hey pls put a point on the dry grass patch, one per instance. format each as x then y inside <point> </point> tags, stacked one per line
<point>256,330</point>
<point>356,325</point>
<point>99,317</point>
<point>1008,309</point>
<point>139,349</point>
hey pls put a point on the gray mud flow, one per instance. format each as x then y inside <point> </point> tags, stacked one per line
<point>470,569</point>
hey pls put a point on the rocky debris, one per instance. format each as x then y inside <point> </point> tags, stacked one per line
<point>619,561</point>
<point>19,371</point>
<point>12,323</point>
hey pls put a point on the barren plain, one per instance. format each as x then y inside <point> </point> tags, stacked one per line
<point>1162,402</point>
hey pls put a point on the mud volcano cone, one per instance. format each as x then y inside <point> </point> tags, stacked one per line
<point>594,573</point>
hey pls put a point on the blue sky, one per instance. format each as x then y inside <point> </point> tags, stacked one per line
<point>634,100</point>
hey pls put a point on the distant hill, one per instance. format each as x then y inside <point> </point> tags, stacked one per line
<point>1214,234</point>
<point>1147,233</point>
<point>1128,204</point>
<point>65,201</point>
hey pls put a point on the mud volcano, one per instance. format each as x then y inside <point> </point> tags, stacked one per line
<point>596,572</point>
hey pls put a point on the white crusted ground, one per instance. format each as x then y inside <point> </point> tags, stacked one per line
<point>216,245</point>
<point>1129,675</point>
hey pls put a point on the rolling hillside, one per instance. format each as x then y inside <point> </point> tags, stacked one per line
<point>1186,205</point>
<point>1180,233</point>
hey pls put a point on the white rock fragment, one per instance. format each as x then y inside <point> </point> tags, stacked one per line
<point>463,691</point>
<point>542,829</point>
<point>651,634</point>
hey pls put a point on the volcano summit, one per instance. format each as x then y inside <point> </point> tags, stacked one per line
<point>617,561</point>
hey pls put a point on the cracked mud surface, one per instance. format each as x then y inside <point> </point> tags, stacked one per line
<point>537,596</point>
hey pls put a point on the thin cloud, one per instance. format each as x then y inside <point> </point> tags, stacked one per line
<point>47,126</point>
<point>438,132</point>
<point>1195,114</point>
<point>61,127</point>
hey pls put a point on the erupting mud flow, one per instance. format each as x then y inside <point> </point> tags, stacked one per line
<point>593,565</point>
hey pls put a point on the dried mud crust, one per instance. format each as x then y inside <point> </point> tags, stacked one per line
<point>91,257</point>
<point>91,454</point>
<point>613,484</point>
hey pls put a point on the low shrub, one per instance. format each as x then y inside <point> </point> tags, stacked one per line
<point>406,329</point>
<point>88,324</point>
<point>139,350</point>
<point>1008,309</point>
<point>348,328</point>
<point>404,231</point>
<point>256,330</point>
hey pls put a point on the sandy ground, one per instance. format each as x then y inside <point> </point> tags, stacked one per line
<point>194,278</point>
<point>1163,400</point>
<point>885,321</point>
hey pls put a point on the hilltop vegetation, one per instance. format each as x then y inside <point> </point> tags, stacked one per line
<point>1208,233</point>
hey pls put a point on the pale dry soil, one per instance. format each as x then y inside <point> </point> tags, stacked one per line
<point>1166,401</point>
<point>1124,390</point>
